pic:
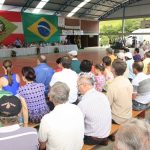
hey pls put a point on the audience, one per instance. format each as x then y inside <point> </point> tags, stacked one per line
<point>10,81</point>
<point>33,93</point>
<point>12,136</point>
<point>137,56</point>
<point>43,72</point>
<point>109,52</point>
<point>63,128</point>
<point>99,77</point>
<point>120,93</point>
<point>141,86</point>
<point>67,76</point>
<point>96,111</point>
<point>129,62</point>
<point>133,135</point>
<point>59,66</point>
<point>75,63</point>
<point>146,61</point>
<point>86,66</point>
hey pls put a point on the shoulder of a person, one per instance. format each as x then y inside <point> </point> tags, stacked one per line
<point>29,129</point>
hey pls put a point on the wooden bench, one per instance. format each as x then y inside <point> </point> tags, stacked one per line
<point>115,128</point>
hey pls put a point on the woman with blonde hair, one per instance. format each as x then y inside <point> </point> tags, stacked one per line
<point>10,81</point>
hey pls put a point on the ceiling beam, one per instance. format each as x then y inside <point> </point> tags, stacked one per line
<point>27,5</point>
<point>113,10</point>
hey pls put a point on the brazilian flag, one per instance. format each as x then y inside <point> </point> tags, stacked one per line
<point>39,27</point>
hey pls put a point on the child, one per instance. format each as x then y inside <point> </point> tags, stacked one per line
<point>99,77</point>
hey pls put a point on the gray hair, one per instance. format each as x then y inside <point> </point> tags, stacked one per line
<point>59,92</point>
<point>86,78</point>
<point>133,135</point>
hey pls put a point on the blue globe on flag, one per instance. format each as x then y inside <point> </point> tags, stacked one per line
<point>44,28</point>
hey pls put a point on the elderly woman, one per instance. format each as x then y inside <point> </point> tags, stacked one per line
<point>33,93</point>
<point>10,82</point>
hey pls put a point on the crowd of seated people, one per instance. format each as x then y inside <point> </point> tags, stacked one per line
<point>68,102</point>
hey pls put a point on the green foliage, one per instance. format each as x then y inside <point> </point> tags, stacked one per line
<point>104,40</point>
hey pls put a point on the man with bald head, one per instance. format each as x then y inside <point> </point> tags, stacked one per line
<point>141,86</point>
<point>43,72</point>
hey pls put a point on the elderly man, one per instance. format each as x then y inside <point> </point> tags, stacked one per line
<point>141,86</point>
<point>12,136</point>
<point>43,72</point>
<point>63,128</point>
<point>133,135</point>
<point>96,111</point>
<point>67,76</point>
<point>75,63</point>
<point>120,93</point>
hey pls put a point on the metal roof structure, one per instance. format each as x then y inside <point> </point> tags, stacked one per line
<point>94,9</point>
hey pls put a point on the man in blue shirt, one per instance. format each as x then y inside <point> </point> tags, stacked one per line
<point>43,72</point>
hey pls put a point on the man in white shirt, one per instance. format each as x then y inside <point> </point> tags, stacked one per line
<point>67,76</point>
<point>141,86</point>
<point>96,110</point>
<point>62,128</point>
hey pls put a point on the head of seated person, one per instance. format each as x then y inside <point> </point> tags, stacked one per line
<point>85,83</point>
<point>133,135</point>
<point>106,61</point>
<point>28,74</point>
<point>86,66</point>
<point>41,59</point>
<point>138,67</point>
<point>118,67</point>
<point>10,107</point>
<point>109,51</point>
<point>65,62</point>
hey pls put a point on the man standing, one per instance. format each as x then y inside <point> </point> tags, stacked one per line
<point>96,111</point>
<point>67,76</point>
<point>12,136</point>
<point>43,72</point>
<point>120,93</point>
<point>75,63</point>
<point>63,128</point>
<point>141,86</point>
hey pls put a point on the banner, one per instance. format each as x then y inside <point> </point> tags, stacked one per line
<point>40,28</point>
<point>10,27</point>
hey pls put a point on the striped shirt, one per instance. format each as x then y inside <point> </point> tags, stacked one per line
<point>18,138</point>
<point>97,114</point>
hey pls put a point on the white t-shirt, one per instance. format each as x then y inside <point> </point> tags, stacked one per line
<point>97,114</point>
<point>70,78</point>
<point>141,86</point>
<point>63,128</point>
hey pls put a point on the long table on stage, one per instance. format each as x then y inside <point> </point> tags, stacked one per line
<point>33,50</point>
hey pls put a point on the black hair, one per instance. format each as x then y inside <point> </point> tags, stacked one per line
<point>137,50</point>
<point>100,67</point>
<point>66,62</point>
<point>107,60</point>
<point>86,66</point>
<point>59,60</point>
<point>29,73</point>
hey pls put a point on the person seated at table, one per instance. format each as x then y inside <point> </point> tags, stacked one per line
<point>96,111</point>
<point>33,93</point>
<point>108,73</point>
<point>12,136</point>
<point>137,56</point>
<point>18,43</point>
<point>141,86</point>
<point>10,81</point>
<point>99,77</point>
<point>58,62</point>
<point>120,93</point>
<point>75,63</point>
<point>67,76</point>
<point>138,131</point>
<point>43,72</point>
<point>109,53</point>
<point>63,128</point>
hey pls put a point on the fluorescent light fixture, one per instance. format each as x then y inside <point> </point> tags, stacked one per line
<point>2,1</point>
<point>78,7</point>
<point>40,5</point>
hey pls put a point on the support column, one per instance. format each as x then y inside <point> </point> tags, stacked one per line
<point>123,23</point>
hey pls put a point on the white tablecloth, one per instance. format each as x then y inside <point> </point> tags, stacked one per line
<point>33,51</point>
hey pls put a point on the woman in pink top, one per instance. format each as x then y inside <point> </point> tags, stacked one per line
<point>99,77</point>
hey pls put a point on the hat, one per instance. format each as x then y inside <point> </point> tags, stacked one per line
<point>10,106</point>
<point>121,55</point>
<point>129,55</point>
<point>73,53</point>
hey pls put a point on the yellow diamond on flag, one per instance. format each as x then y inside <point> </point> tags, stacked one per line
<point>43,29</point>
